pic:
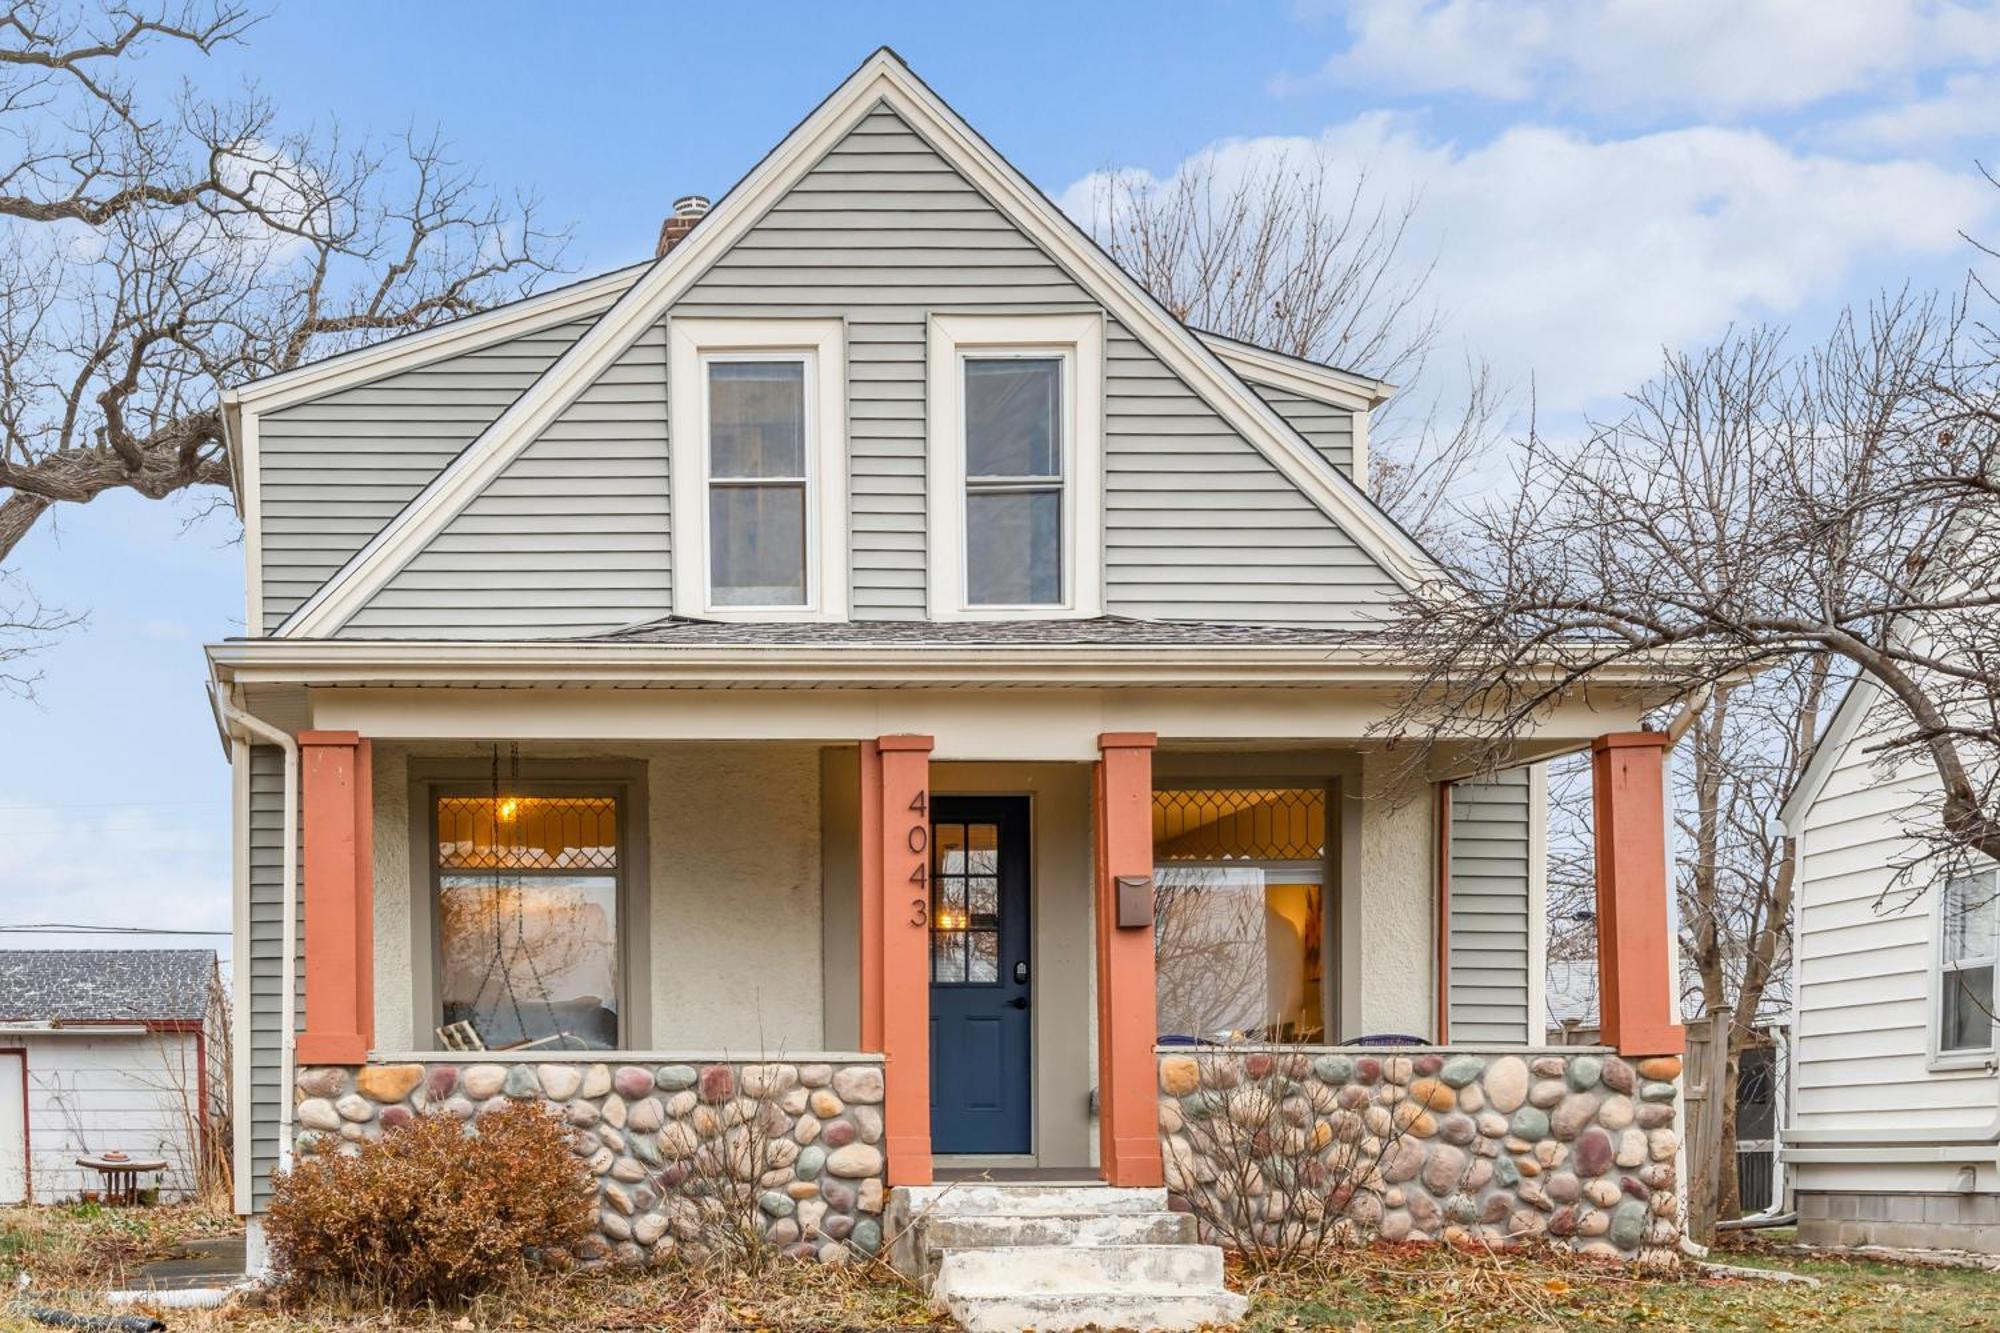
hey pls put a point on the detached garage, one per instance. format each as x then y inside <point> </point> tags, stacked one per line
<point>110,1051</point>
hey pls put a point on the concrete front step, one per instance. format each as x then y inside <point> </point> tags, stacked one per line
<point>1001,1258</point>
<point>986,1200</point>
<point>1098,1310</point>
<point>1055,1269</point>
<point>1000,1232</point>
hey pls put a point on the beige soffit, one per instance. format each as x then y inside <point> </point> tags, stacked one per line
<point>882,80</point>
<point>458,662</point>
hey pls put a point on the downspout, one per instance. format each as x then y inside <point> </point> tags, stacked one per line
<point>288,967</point>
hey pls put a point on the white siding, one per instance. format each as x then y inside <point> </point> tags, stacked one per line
<point>1865,940</point>
<point>139,1094</point>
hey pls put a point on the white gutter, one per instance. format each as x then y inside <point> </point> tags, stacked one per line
<point>288,967</point>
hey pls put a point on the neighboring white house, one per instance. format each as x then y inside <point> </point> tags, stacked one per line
<point>1894,1133</point>
<point>106,1049</point>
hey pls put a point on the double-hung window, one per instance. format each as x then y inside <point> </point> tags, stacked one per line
<point>759,521</point>
<point>1015,466</point>
<point>1969,948</point>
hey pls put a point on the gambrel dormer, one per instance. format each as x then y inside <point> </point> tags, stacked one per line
<point>883,379</point>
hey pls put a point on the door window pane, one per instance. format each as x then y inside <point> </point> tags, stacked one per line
<point>965,903</point>
<point>757,540</point>
<point>528,920</point>
<point>1014,481</point>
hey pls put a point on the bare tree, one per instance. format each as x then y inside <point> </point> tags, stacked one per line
<point>1763,526</point>
<point>1302,255</point>
<point>1837,511</point>
<point>152,256</point>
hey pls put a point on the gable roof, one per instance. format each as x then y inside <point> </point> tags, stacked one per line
<point>883,79</point>
<point>99,985</point>
<point>1861,694</point>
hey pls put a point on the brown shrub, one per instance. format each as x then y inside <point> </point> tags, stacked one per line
<point>431,1212</point>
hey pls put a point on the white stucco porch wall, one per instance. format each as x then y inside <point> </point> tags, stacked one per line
<point>736,897</point>
<point>1389,897</point>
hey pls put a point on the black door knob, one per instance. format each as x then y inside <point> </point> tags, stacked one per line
<point>1018,1002</point>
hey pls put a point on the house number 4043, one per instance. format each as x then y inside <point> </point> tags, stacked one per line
<point>919,839</point>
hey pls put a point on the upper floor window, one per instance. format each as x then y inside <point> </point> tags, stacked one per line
<point>1969,939</point>
<point>759,493</point>
<point>757,482</point>
<point>1016,409</point>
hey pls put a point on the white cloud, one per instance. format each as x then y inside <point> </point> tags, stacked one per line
<point>116,865</point>
<point>1966,108</point>
<point>1575,260</point>
<point>1716,57</point>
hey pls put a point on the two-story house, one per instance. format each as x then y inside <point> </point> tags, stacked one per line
<point>875,659</point>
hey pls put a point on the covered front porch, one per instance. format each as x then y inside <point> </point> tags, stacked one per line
<point>1010,919</point>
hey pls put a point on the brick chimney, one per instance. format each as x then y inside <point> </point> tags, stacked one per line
<point>688,210</point>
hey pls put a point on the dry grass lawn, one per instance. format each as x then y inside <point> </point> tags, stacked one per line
<point>72,1253</point>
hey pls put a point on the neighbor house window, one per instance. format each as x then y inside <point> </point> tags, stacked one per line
<point>1239,919</point>
<point>1015,466</point>
<point>527,911</point>
<point>1970,940</point>
<point>758,443</point>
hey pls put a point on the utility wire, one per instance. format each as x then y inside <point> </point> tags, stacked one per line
<point>65,928</point>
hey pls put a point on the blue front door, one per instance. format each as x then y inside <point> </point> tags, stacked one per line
<point>981,1048</point>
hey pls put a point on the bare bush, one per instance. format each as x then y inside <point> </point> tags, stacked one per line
<point>436,1211</point>
<point>1276,1166</point>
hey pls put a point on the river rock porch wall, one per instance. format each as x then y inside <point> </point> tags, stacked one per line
<point>1486,1147</point>
<point>638,1126</point>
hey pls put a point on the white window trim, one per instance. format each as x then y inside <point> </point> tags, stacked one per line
<point>1079,340</point>
<point>821,343</point>
<point>1969,1057</point>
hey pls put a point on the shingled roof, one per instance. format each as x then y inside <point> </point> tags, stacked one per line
<point>95,985</point>
<point>1095,631</point>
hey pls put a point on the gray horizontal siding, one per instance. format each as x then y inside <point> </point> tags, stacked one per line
<point>266,953</point>
<point>883,231</point>
<point>1328,429</point>
<point>1198,524</point>
<point>570,538</point>
<point>1489,908</point>
<point>333,471</point>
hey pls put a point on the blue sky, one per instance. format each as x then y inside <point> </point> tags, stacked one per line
<point>1597,179</point>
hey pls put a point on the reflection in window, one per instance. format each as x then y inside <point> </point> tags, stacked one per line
<point>1971,947</point>
<point>1239,914</point>
<point>965,904</point>
<point>1013,481</point>
<point>757,483</point>
<point>527,920</point>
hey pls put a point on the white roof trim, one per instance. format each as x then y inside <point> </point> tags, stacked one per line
<point>1309,379</point>
<point>882,78</point>
<point>1846,720</point>
<point>562,305</point>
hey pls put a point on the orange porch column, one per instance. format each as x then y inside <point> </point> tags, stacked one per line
<point>896,943</point>
<point>337,790</point>
<point>1127,1022</point>
<point>1639,1013</point>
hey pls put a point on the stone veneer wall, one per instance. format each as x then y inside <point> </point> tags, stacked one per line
<point>1498,1147</point>
<point>642,1128</point>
